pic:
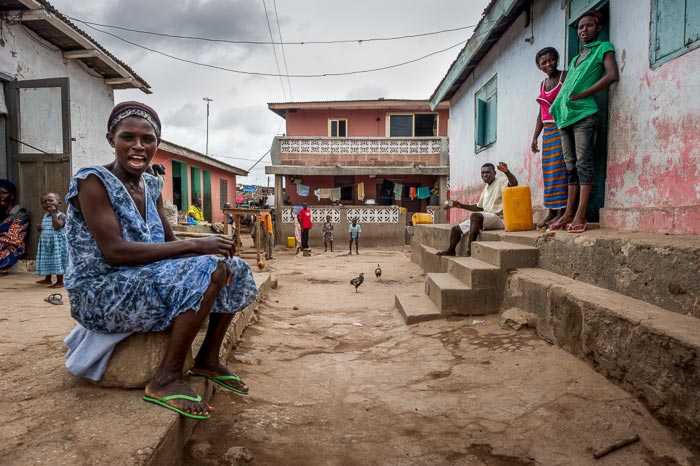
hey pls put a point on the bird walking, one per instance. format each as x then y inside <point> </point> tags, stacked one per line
<point>357,281</point>
<point>378,272</point>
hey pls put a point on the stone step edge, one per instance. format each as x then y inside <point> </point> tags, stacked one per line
<point>175,434</point>
<point>431,312</point>
<point>613,333</point>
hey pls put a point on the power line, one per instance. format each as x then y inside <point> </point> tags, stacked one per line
<point>255,42</point>
<point>257,73</point>
<point>274,50</point>
<point>284,55</point>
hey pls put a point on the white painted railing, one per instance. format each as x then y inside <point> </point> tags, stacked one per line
<point>320,145</point>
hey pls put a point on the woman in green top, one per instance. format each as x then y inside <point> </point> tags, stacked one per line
<point>576,113</point>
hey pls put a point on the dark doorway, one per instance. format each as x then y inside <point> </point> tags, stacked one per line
<point>574,47</point>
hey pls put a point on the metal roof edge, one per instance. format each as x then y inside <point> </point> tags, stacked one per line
<point>492,18</point>
<point>193,154</point>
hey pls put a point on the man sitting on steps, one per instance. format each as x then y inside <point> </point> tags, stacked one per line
<point>486,213</point>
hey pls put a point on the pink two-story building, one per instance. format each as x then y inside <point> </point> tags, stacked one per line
<point>378,160</point>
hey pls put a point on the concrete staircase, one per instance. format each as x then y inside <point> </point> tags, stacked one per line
<point>463,285</point>
<point>626,303</point>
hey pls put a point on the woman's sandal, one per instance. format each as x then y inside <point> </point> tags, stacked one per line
<point>576,228</point>
<point>556,226</point>
<point>221,380</point>
<point>55,298</point>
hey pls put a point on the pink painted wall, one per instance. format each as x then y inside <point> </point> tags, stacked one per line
<point>217,175</point>
<point>361,123</point>
<point>654,144</point>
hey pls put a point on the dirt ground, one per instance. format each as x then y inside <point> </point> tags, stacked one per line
<point>337,378</point>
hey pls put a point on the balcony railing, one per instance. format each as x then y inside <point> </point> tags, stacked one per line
<point>369,145</point>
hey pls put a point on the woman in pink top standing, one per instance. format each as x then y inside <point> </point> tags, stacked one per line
<point>553,164</point>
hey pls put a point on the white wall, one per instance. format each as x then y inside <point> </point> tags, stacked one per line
<point>513,60</point>
<point>26,56</point>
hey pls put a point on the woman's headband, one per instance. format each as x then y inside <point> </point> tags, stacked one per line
<point>132,108</point>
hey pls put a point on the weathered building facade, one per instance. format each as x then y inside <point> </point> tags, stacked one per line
<point>364,159</point>
<point>57,88</point>
<point>190,174</point>
<point>648,156</point>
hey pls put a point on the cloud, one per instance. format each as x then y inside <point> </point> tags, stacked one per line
<point>368,91</point>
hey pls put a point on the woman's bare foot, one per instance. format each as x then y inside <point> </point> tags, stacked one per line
<point>550,218</point>
<point>45,281</point>
<point>218,369</point>
<point>178,387</point>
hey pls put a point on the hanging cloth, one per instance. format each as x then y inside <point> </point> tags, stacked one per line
<point>317,193</point>
<point>302,190</point>
<point>360,191</point>
<point>412,192</point>
<point>325,193</point>
<point>423,192</point>
<point>335,194</point>
<point>398,191</point>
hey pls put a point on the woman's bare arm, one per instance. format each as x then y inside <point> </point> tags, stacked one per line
<point>96,208</point>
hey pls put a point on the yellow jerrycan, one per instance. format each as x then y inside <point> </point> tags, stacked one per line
<point>517,208</point>
<point>291,242</point>
<point>421,218</point>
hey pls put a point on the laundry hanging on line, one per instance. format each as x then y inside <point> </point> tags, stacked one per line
<point>412,192</point>
<point>398,191</point>
<point>335,194</point>
<point>361,191</point>
<point>423,192</point>
<point>302,190</point>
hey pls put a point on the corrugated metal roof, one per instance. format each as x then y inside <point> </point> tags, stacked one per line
<point>173,148</point>
<point>418,104</point>
<point>49,32</point>
<point>498,16</point>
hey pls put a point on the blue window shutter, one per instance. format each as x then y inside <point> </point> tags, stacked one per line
<point>692,21</point>
<point>492,118</point>
<point>481,122</point>
<point>670,27</point>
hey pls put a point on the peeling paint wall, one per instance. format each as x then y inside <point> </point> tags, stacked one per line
<point>654,131</point>
<point>25,56</point>
<point>654,143</point>
<point>513,60</point>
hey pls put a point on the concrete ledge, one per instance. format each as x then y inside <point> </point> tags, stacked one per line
<point>662,270</point>
<point>177,430</point>
<point>416,308</point>
<point>653,353</point>
<point>505,255</point>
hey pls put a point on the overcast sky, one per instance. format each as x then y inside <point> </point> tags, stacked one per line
<point>241,127</point>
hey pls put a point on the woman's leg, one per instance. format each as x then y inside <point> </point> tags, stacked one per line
<point>569,150</point>
<point>45,281</point>
<point>59,282</point>
<point>585,132</point>
<point>168,379</point>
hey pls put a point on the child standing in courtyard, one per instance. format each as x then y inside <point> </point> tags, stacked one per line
<point>354,231</point>
<point>52,255</point>
<point>297,233</point>
<point>328,234</point>
<point>553,165</point>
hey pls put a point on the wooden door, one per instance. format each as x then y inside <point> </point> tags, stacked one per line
<point>40,145</point>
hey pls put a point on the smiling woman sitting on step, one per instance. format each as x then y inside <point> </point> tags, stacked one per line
<point>128,272</point>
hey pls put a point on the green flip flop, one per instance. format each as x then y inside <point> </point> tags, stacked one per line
<point>220,380</point>
<point>163,402</point>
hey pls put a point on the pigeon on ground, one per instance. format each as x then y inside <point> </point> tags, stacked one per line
<point>378,272</point>
<point>357,281</point>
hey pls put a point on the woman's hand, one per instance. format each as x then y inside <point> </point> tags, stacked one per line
<point>216,244</point>
<point>533,146</point>
<point>574,97</point>
<point>38,228</point>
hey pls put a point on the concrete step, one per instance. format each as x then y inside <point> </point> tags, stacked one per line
<point>416,308</point>
<point>652,353</point>
<point>505,255</point>
<point>426,257</point>
<point>475,273</point>
<point>453,297</point>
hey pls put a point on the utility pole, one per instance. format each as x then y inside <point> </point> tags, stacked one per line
<point>207,100</point>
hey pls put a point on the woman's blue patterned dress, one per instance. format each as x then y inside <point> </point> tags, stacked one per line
<point>143,298</point>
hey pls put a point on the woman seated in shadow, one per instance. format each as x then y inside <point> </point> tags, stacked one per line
<point>14,225</point>
<point>129,273</point>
